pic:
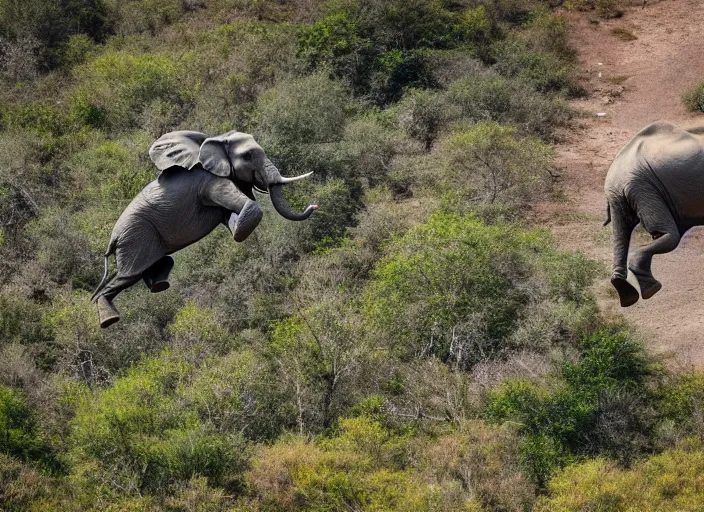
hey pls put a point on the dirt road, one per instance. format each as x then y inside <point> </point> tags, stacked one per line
<point>634,83</point>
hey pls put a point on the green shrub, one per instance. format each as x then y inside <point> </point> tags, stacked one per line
<point>304,111</point>
<point>239,392</point>
<point>423,114</point>
<point>21,485</point>
<point>19,432</point>
<point>20,317</point>
<point>63,254</point>
<point>53,22</point>
<point>546,71</point>
<point>42,117</point>
<point>694,98</point>
<point>113,170</point>
<point>361,467</point>
<point>370,146</point>
<point>318,358</point>
<point>160,441</point>
<point>491,163</point>
<point>485,458</point>
<point>666,482</point>
<point>452,288</point>
<point>598,408</point>
<point>379,48</point>
<point>135,16</point>
<point>115,88</point>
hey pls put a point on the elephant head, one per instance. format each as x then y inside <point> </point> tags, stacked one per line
<point>233,155</point>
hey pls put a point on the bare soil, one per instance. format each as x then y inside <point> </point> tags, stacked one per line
<point>634,83</point>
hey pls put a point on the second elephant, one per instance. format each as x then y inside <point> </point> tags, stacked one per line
<point>205,181</point>
<point>656,180</point>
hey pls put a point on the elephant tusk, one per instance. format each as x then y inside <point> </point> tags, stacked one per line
<point>284,181</point>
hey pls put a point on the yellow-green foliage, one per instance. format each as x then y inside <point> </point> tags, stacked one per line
<point>491,162</point>
<point>117,169</point>
<point>669,482</point>
<point>360,468</point>
<point>116,87</point>
<point>160,441</point>
<point>197,328</point>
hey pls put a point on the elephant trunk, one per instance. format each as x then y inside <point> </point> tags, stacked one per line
<point>276,193</point>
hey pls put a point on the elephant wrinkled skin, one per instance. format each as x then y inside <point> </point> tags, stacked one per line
<point>204,182</point>
<point>656,180</point>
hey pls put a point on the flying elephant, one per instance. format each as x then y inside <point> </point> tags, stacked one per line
<point>204,182</point>
<point>657,180</point>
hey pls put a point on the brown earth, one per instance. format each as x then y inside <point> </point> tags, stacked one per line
<point>634,83</point>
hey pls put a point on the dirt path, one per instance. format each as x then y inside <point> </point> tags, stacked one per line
<point>634,83</point>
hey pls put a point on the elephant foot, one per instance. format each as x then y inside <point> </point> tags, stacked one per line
<point>247,220</point>
<point>159,286</point>
<point>107,314</point>
<point>626,292</point>
<point>649,286</point>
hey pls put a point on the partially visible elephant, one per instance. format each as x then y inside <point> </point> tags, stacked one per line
<point>657,179</point>
<point>205,181</point>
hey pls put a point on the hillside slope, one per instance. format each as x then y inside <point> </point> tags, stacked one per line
<point>635,83</point>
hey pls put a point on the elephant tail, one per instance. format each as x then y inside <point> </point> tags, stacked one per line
<point>608,214</point>
<point>106,277</point>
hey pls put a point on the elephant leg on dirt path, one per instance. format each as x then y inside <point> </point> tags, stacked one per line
<point>623,223</point>
<point>156,277</point>
<point>658,222</point>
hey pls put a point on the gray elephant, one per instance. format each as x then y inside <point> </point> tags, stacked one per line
<point>657,179</point>
<point>205,181</point>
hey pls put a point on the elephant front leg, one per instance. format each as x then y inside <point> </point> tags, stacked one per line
<point>243,223</point>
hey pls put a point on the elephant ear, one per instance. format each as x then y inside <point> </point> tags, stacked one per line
<point>213,155</point>
<point>177,149</point>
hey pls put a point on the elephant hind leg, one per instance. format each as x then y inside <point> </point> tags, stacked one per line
<point>107,312</point>
<point>623,222</point>
<point>659,223</point>
<point>627,294</point>
<point>156,277</point>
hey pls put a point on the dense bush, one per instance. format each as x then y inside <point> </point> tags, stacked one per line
<point>599,407</point>
<point>361,467</point>
<point>116,87</point>
<point>670,481</point>
<point>19,433</point>
<point>51,23</point>
<point>378,48</point>
<point>452,287</point>
<point>161,442</point>
<point>490,162</point>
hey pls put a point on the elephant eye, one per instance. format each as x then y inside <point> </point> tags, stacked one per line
<point>247,156</point>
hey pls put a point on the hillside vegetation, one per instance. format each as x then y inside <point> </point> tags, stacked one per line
<point>411,347</point>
